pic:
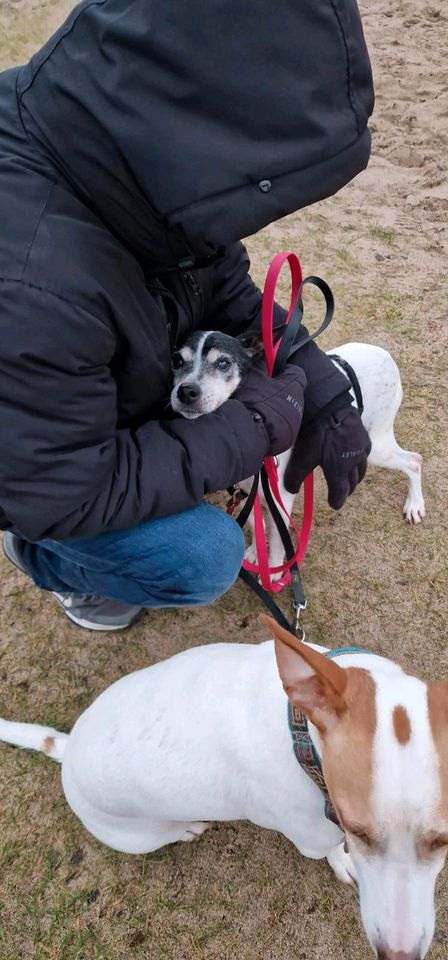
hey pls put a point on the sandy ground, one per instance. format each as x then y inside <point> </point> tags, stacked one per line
<point>242,892</point>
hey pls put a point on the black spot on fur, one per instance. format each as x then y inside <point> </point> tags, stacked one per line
<point>230,347</point>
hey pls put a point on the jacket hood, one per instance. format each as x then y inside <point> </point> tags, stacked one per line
<point>188,125</point>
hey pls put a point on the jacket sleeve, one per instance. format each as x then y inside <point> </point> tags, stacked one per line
<point>236,308</point>
<point>65,469</point>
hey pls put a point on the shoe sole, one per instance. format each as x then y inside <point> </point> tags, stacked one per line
<point>12,558</point>
<point>91,625</point>
<point>78,621</point>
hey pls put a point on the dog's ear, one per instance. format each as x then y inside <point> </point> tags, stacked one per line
<point>252,344</point>
<point>312,682</point>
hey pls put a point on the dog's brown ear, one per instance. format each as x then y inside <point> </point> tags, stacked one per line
<point>311,681</point>
<point>252,344</point>
<point>438,718</point>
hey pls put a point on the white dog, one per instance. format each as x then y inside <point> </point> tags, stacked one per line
<point>204,736</point>
<point>210,365</point>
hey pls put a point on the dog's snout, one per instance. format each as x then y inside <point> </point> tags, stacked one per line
<point>188,392</point>
<point>385,954</point>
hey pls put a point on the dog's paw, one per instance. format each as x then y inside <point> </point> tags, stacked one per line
<point>251,554</point>
<point>341,862</point>
<point>194,831</point>
<point>414,509</point>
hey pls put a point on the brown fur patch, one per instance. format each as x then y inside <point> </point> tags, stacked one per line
<point>347,756</point>
<point>401,725</point>
<point>340,702</point>
<point>48,744</point>
<point>438,719</point>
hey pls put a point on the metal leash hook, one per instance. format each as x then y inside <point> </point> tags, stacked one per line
<point>237,495</point>
<point>298,607</point>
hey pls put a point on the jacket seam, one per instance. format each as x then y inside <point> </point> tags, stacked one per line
<point>57,296</point>
<point>278,176</point>
<point>347,59</point>
<point>237,438</point>
<point>59,35</point>
<point>28,253</point>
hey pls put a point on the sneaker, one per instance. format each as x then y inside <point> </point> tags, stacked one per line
<point>84,609</point>
<point>12,548</point>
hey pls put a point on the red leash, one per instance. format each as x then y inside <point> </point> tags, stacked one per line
<point>302,535</point>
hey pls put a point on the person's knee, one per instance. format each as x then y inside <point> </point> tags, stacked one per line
<point>202,565</point>
<point>218,558</point>
<point>185,559</point>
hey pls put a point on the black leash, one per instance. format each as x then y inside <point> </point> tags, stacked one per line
<point>299,596</point>
<point>299,601</point>
<point>288,346</point>
<point>266,598</point>
<point>348,369</point>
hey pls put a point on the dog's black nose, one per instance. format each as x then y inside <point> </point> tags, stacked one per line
<point>188,392</point>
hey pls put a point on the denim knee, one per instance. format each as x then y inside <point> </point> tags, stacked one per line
<point>183,559</point>
<point>207,562</point>
<point>224,557</point>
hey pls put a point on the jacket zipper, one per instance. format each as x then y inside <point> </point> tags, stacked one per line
<point>172,334</point>
<point>193,283</point>
<point>192,288</point>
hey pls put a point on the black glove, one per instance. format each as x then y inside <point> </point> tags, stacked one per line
<point>340,444</point>
<point>277,401</point>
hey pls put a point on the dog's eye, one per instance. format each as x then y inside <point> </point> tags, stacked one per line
<point>437,841</point>
<point>177,361</point>
<point>222,363</point>
<point>431,843</point>
<point>362,835</point>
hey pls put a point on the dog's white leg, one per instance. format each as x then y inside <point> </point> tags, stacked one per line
<point>195,830</point>
<point>251,551</point>
<point>380,383</point>
<point>386,452</point>
<point>341,862</point>
<point>276,548</point>
<point>137,835</point>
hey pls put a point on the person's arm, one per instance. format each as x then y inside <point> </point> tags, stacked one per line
<point>65,469</point>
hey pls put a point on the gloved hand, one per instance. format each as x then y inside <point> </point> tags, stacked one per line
<point>340,444</point>
<point>277,401</point>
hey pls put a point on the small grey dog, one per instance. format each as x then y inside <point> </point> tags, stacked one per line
<point>207,369</point>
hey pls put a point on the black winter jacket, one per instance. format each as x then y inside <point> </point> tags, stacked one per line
<point>136,149</point>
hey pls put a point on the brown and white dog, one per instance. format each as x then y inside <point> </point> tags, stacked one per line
<point>210,365</point>
<point>204,736</point>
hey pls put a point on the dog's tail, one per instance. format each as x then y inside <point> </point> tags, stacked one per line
<point>34,737</point>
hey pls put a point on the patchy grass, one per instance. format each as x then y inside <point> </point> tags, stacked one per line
<point>242,892</point>
<point>380,233</point>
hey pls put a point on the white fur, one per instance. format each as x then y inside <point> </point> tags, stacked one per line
<point>204,736</point>
<point>380,384</point>
<point>397,886</point>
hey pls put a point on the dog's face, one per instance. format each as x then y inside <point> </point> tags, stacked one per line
<point>384,747</point>
<point>387,776</point>
<point>207,370</point>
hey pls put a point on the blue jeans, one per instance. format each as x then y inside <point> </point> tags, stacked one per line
<point>185,559</point>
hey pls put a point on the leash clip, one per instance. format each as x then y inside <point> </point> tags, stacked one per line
<point>298,607</point>
<point>236,498</point>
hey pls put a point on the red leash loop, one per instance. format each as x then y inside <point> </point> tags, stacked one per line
<point>262,568</point>
<point>267,306</point>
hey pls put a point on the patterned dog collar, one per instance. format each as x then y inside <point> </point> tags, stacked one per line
<point>304,749</point>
